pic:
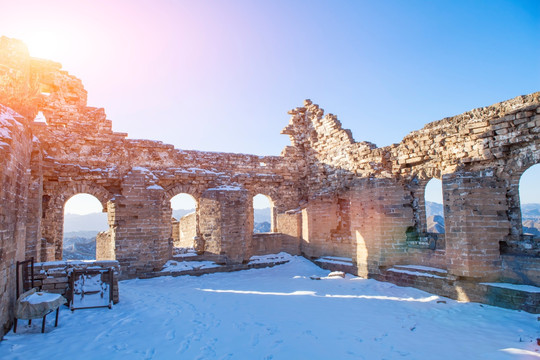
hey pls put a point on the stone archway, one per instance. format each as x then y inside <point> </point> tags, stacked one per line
<point>53,214</point>
<point>515,167</point>
<point>192,223</point>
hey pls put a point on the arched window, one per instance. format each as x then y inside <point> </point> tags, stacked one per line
<point>529,198</point>
<point>184,221</point>
<point>263,219</point>
<point>433,197</point>
<point>83,220</point>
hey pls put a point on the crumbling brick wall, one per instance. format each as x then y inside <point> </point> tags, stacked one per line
<point>490,146</point>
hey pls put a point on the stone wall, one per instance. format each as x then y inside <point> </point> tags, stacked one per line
<point>273,243</point>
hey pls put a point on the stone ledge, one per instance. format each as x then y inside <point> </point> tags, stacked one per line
<point>464,290</point>
<point>221,268</point>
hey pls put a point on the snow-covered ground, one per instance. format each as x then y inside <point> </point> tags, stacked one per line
<point>278,313</point>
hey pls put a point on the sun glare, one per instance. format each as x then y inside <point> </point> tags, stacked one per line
<point>46,44</point>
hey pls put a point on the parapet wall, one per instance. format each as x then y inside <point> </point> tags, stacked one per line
<point>330,194</point>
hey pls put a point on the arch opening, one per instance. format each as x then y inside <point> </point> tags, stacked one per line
<point>84,224</point>
<point>529,198</point>
<point>263,214</point>
<point>433,197</point>
<point>184,222</point>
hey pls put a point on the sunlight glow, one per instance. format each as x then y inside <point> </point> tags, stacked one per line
<point>529,192</point>
<point>51,43</point>
<point>261,201</point>
<point>83,204</point>
<point>433,191</point>
<point>183,201</point>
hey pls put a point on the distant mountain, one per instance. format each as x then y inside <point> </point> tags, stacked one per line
<point>89,222</point>
<point>530,211</point>
<point>530,214</point>
<point>531,227</point>
<point>262,215</point>
<point>433,209</point>
<point>81,234</point>
<point>79,248</point>
<point>262,227</point>
<point>435,224</point>
<point>179,213</point>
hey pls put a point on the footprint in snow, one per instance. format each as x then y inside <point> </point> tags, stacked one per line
<point>183,346</point>
<point>255,340</point>
<point>120,347</point>
<point>171,335</point>
<point>150,354</point>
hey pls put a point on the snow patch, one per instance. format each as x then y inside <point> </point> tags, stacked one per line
<point>271,258</point>
<point>277,313</point>
<point>41,297</point>
<point>154,187</point>
<point>172,266</point>
<point>227,188</point>
<point>5,133</point>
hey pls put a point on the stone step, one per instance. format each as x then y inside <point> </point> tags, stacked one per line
<point>188,257</point>
<point>419,270</point>
<point>335,263</point>
<point>197,268</point>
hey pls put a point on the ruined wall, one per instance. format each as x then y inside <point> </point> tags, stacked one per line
<point>330,194</point>
<point>479,155</point>
<point>81,153</point>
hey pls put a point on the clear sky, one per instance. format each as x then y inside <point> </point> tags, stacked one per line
<point>221,75</point>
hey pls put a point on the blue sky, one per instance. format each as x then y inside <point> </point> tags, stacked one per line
<point>220,76</point>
